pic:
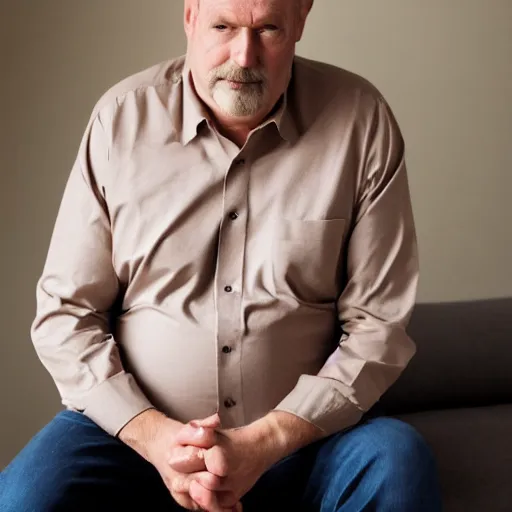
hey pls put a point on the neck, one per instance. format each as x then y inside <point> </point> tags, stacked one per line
<point>238,130</point>
<point>235,130</point>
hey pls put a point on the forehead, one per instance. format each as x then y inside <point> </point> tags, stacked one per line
<point>248,12</point>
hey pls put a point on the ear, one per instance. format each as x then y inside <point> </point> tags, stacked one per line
<point>190,15</point>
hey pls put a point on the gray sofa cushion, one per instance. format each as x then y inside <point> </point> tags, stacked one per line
<point>473,448</point>
<point>464,357</point>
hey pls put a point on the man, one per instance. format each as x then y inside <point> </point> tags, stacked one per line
<point>227,289</point>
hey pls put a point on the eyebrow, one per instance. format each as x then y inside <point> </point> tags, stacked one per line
<point>269,19</point>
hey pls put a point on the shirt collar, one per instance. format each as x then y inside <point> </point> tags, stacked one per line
<point>283,119</point>
<point>195,113</point>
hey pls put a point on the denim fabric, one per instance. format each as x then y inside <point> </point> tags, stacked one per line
<point>72,465</point>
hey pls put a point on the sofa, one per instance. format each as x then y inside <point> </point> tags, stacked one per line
<point>457,392</point>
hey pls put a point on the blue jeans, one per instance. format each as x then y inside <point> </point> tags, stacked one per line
<point>72,465</point>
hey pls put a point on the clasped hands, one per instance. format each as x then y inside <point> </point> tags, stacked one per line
<point>213,467</point>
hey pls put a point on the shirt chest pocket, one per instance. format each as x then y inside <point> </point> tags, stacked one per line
<point>306,255</point>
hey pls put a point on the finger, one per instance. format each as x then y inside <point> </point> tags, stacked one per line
<point>209,481</point>
<point>227,499</point>
<point>180,484</point>
<point>187,459</point>
<point>202,437</point>
<point>206,499</point>
<point>212,421</point>
<point>184,500</point>
<point>216,461</point>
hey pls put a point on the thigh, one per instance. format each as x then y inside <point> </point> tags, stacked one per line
<point>281,487</point>
<point>379,465</point>
<point>72,464</point>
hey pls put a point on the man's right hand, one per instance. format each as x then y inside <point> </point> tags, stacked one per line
<point>153,436</point>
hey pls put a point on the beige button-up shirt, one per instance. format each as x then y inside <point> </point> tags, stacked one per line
<point>191,275</point>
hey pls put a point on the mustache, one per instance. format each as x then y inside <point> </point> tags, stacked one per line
<point>236,73</point>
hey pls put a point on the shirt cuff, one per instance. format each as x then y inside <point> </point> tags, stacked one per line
<point>319,401</point>
<point>116,401</point>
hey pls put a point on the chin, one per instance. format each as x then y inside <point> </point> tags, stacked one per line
<point>236,108</point>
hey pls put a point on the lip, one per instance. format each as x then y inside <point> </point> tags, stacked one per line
<point>238,85</point>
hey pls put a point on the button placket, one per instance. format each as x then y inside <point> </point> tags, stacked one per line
<point>229,284</point>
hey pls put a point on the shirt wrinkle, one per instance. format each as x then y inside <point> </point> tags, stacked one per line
<point>226,275</point>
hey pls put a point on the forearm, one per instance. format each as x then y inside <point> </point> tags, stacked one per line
<point>281,434</point>
<point>142,430</point>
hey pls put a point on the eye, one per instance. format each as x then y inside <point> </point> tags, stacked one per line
<point>220,27</point>
<point>269,29</point>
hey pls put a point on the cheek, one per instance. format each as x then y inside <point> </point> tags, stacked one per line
<point>213,51</point>
<point>278,67</point>
<point>209,54</point>
<point>213,58</point>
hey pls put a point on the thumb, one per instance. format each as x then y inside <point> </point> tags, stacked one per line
<point>212,421</point>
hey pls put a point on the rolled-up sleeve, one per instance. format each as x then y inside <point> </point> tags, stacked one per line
<point>381,269</point>
<point>76,293</point>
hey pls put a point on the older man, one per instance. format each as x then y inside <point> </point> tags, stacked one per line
<point>227,289</point>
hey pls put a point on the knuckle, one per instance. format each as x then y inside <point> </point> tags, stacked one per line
<point>214,481</point>
<point>179,484</point>
<point>219,462</point>
<point>211,482</point>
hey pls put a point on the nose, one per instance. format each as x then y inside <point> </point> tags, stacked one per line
<point>245,49</point>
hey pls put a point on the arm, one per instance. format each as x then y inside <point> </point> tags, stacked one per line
<point>75,295</point>
<point>381,280</point>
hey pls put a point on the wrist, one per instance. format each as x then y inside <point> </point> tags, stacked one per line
<point>284,433</point>
<point>266,443</point>
<point>145,428</point>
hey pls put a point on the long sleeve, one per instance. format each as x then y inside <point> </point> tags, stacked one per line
<point>75,294</point>
<point>381,270</point>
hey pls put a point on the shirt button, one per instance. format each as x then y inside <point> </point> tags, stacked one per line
<point>241,161</point>
<point>233,215</point>
<point>229,402</point>
<point>227,350</point>
<point>228,289</point>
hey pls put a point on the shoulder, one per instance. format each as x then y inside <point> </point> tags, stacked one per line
<point>322,89</point>
<point>326,78</point>
<point>164,75</point>
<point>326,95</point>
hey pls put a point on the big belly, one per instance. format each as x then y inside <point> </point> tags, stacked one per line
<point>173,362</point>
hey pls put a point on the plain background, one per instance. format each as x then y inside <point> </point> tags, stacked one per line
<point>445,68</point>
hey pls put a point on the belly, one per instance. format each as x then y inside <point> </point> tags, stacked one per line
<point>173,362</point>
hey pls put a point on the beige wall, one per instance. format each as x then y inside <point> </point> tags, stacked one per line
<point>61,56</point>
<point>445,67</point>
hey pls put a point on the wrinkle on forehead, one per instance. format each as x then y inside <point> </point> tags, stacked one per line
<point>248,12</point>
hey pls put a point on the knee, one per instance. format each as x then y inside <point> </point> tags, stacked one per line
<point>398,464</point>
<point>397,446</point>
